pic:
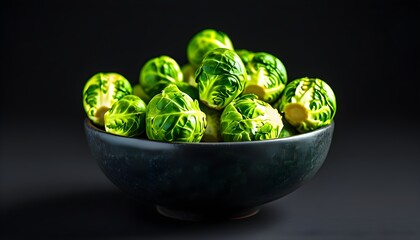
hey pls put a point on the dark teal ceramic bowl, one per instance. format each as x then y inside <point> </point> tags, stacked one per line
<point>209,180</point>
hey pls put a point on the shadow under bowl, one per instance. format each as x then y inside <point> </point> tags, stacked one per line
<point>201,181</point>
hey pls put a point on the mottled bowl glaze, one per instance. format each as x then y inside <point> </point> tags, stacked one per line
<point>198,181</point>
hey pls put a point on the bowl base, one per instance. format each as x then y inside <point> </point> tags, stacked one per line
<point>199,216</point>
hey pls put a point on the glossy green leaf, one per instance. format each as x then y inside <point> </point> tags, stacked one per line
<point>126,117</point>
<point>267,76</point>
<point>101,91</point>
<point>308,104</point>
<point>248,119</point>
<point>173,116</point>
<point>203,42</point>
<point>221,78</point>
<point>159,72</point>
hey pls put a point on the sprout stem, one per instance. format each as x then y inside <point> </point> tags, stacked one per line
<point>100,114</point>
<point>295,113</point>
<point>257,90</point>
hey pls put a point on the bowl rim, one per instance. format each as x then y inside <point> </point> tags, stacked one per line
<point>88,124</point>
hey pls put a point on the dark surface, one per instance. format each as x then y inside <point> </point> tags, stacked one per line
<point>368,51</point>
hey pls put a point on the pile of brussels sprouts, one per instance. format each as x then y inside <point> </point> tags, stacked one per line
<point>220,94</point>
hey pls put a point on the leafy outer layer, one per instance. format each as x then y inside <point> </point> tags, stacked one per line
<point>205,41</point>
<point>101,91</point>
<point>159,72</point>
<point>221,78</point>
<point>314,98</point>
<point>126,117</point>
<point>248,119</point>
<point>173,116</point>
<point>267,76</point>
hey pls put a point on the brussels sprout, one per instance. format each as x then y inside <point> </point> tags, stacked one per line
<point>212,132</point>
<point>308,104</point>
<point>221,77</point>
<point>126,117</point>
<point>173,116</point>
<point>157,73</point>
<point>101,91</point>
<point>205,41</point>
<point>267,76</point>
<point>248,119</point>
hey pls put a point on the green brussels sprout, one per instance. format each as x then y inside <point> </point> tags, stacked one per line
<point>267,76</point>
<point>205,41</point>
<point>173,116</point>
<point>248,119</point>
<point>126,117</point>
<point>101,91</point>
<point>188,72</point>
<point>212,132</point>
<point>157,73</point>
<point>308,104</point>
<point>221,77</point>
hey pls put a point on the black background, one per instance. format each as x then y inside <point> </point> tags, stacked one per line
<point>368,51</point>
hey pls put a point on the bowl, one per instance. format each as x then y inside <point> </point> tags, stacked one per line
<point>199,181</point>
